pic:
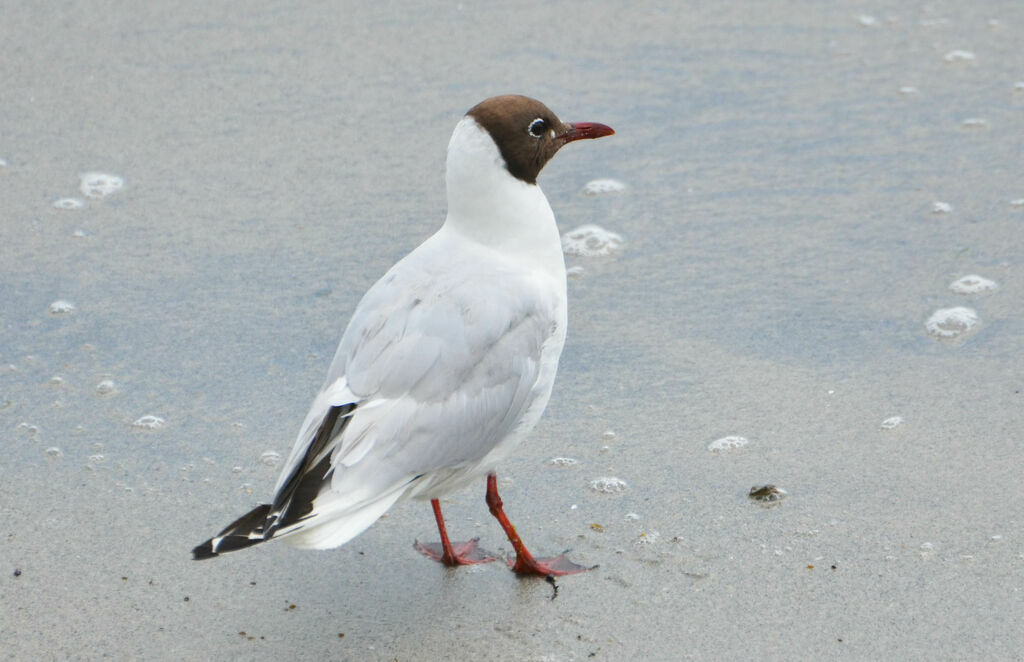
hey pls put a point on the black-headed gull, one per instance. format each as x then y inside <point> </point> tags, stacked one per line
<point>448,360</point>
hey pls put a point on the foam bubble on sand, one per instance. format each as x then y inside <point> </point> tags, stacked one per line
<point>908,89</point>
<point>951,322</point>
<point>972,284</point>
<point>939,207</point>
<point>106,387</point>
<point>865,19</point>
<point>590,241</point>
<point>270,458</point>
<point>99,185</point>
<point>62,307</point>
<point>975,122</point>
<point>574,272</point>
<point>149,422</point>
<point>728,443</point>
<point>891,422</point>
<point>1018,86</point>
<point>68,203</point>
<point>959,56</point>
<point>1019,202</point>
<point>28,428</point>
<point>602,186</point>
<point>563,461</point>
<point>608,485</point>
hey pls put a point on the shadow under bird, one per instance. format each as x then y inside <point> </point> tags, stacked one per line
<point>448,360</point>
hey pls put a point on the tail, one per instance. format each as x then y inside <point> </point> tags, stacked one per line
<point>297,493</point>
<point>246,531</point>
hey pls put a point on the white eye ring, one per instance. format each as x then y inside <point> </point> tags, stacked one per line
<point>537,127</point>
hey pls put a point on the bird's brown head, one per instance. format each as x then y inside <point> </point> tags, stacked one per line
<point>528,134</point>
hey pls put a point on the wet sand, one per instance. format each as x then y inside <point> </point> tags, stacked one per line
<point>782,253</point>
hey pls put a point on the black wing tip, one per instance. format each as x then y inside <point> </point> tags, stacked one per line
<point>204,551</point>
<point>237,535</point>
<point>210,548</point>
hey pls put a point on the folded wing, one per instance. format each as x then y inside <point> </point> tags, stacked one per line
<point>428,381</point>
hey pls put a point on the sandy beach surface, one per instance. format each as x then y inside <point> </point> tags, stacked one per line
<point>194,197</point>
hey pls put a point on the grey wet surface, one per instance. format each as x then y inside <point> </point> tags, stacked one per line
<point>781,258</point>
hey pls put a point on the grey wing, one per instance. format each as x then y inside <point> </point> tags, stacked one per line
<point>457,363</point>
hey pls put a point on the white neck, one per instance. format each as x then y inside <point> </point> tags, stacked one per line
<point>490,206</point>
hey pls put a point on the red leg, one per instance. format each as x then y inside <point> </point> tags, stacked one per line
<point>461,553</point>
<point>525,564</point>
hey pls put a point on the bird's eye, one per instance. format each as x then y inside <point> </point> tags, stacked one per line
<point>537,127</point>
